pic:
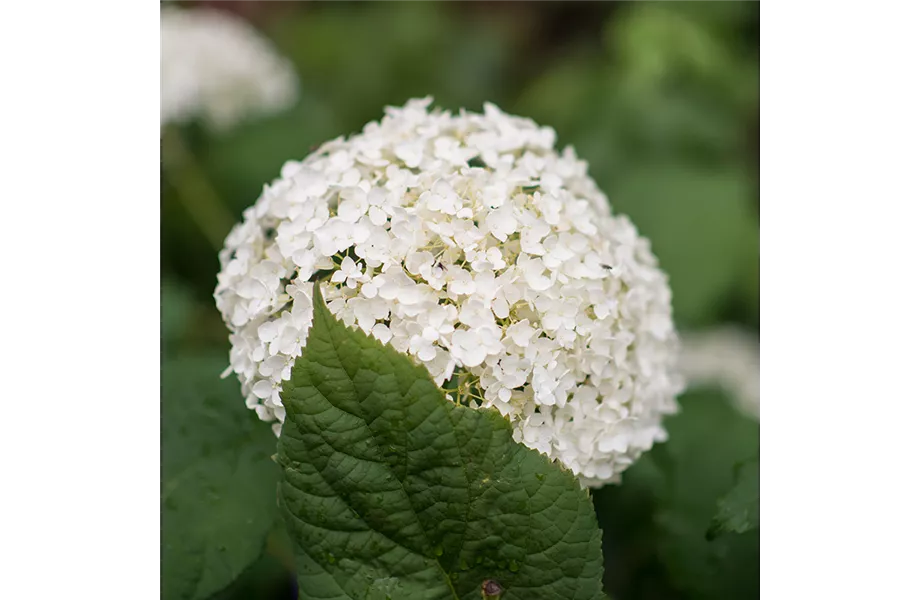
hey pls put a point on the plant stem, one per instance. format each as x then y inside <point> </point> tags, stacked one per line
<point>194,190</point>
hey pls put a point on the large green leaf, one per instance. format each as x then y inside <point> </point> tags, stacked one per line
<point>390,490</point>
<point>217,479</point>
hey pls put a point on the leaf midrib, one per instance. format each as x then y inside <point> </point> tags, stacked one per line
<point>415,514</point>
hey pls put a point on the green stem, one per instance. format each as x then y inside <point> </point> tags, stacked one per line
<point>194,190</point>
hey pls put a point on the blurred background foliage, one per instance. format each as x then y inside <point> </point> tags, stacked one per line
<point>661,99</point>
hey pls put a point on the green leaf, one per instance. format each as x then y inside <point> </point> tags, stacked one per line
<point>176,308</point>
<point>391,491</point>
<point>706,440</point>
<point>360,59</point>
<point>655,41</point>
<point>729,18</point>
<point>749,278</point>
<point>217,479</point>
<point>655,522</point>
<point>739,510</point>
<point>569,96</point>
<point>699,222</point>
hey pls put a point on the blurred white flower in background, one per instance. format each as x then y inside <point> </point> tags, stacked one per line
<point>217,67</point>
<point>727,357</point>
<point>467,242</point>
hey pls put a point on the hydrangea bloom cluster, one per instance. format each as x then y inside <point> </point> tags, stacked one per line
<point>216,66</point>
<point>468,243</point>
<point>727,357</point>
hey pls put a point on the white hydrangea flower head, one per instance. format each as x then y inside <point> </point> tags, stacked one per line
<point>468,243</point>
<point>727,357</point>
<point>217,67</point>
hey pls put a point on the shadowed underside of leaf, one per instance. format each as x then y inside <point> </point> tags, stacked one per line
<point>390,490</point>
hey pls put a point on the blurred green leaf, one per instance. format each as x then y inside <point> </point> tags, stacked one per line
<point>725,18</point>
<point>659,44</point>
<point>707,439</point>
<point>391,490</point>
<point>360,60</point>
<point>655,522</point>
<point>750,278</point>
<point>185,254</point>
<point>177,306</point>
<point>565,97</point>
<point>617,127</point>
<point>654,42</point>
<point>217,480</point>
<point>626,515</point>
<point>653,125</point>
<point>739,509</point>
<point>696,220</point>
